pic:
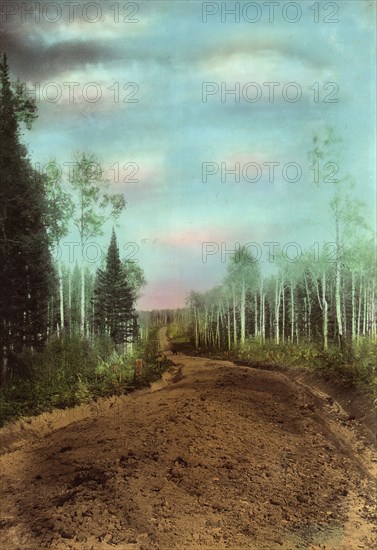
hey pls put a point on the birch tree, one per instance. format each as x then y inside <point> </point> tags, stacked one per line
<point>242,277</point>
<point>94,206</point>
<point>59,214</point>
<point>346,211</point>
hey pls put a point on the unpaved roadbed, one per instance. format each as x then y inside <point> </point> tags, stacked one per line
<point>220,457</point>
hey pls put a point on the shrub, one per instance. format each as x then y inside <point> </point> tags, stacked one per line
<point>72,370</point>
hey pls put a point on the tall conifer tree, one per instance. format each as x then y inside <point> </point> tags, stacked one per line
<point>25,261</point>
<point>114,312</point>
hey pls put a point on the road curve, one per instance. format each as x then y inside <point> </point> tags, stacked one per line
<point>217,457</point>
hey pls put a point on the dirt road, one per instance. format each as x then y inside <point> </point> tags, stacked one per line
<point>217,457</point>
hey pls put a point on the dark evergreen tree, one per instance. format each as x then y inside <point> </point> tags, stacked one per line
<point>113,299</point>
<point>26,274</point>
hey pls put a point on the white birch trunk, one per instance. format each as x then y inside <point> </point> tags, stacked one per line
<point>243,312</point>
<point>337,288</point>
<point>324,312</point>
<point>353,320</point>
<point>82,320</point>
<point>359,309</point>
<point>292,312</point>
<point>61,295</point>
<point>309,308</point>
<point>373,309</point>
<point>283,316</point>
<point>229,331</point>
<point>234,316</point>
<point>256,334</point>
<point>277,311</point>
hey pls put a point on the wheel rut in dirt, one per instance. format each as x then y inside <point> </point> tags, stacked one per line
<point>219,457</point>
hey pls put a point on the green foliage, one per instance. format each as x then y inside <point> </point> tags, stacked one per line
<point>177,334</point>
<point>25,106</point>
<point>72,370</point>
<point>135,277</point>
<point>355,365</point>
<point>94,204</point>
<point>59,203</point>
<point>113,298</point>
<point>26,273</point>
<point>22,104</point>
<point>154,365</point>
<point>150,350</point>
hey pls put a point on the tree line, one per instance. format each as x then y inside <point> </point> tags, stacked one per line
<point>325,299</point>
<point>42,297</point>
<point>303,302</point>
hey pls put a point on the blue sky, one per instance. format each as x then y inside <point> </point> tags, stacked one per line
<point>169,53</point>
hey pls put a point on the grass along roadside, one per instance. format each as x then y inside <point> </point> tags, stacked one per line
<point>71,370</point>
<point>356,366</point>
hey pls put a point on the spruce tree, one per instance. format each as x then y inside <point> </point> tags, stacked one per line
<point>26,275</point>
<point>94,206</point>
<point>113,298</point>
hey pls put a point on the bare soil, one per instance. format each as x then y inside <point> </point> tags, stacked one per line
<point>214,456</point>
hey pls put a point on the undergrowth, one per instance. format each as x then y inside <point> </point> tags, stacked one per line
<point>70,371</point>
<point>356,365</point>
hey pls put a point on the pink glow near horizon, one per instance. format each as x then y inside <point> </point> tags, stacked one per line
<point>166,294</point>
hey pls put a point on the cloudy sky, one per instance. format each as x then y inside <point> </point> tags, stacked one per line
<point>144,85</point>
